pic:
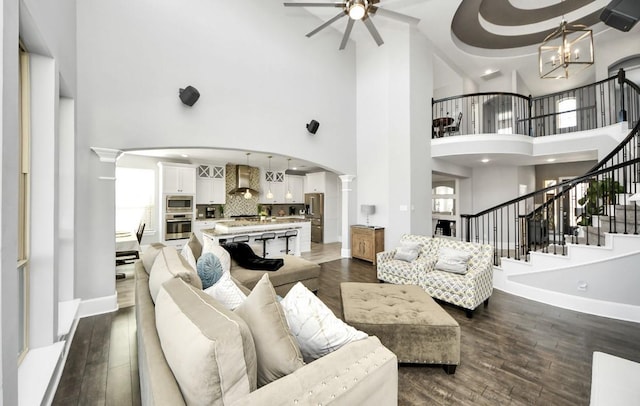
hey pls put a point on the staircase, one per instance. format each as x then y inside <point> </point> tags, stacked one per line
<point>587,261</point>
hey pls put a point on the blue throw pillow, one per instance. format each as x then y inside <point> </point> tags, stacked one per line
<point>209,269</point>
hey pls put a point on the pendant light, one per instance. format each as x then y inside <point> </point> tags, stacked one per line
<point>568,49</point>
<point>269,194</point>
<point>247,194</point>
<point>288,195</point>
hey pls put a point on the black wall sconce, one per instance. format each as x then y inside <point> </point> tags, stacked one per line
<point>312,127</point>
<point>189,95</point>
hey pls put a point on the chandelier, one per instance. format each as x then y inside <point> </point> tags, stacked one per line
<point>567,50</point>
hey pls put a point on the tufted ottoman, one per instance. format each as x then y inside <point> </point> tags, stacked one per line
<point>406,320</point>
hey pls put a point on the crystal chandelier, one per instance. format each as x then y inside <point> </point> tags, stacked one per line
<point>567,50</point>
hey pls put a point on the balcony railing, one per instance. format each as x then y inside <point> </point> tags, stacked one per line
<point>577,211</point>
<point>584,108</point>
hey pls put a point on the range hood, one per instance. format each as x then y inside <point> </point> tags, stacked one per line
<point>243,182</point>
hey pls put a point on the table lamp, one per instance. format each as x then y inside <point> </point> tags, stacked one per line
<point>367,209</point>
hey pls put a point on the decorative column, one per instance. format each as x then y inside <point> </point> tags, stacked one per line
<point>346,237</point>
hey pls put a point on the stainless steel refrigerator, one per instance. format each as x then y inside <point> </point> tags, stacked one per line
<point>314,206</point>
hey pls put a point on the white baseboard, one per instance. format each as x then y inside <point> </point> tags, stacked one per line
<point>100,305</point>
<point>345,253</point>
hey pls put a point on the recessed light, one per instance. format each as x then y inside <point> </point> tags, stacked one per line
<point>488,72</point>
<point>485,160</point>
<point>184,155</point>
<point>551,160</point>
<point>294,168</point>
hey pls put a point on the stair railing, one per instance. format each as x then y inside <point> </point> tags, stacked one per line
<point>576,211</point>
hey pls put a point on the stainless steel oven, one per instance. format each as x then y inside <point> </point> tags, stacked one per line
<point>178,226</point>
<point>179,204</point>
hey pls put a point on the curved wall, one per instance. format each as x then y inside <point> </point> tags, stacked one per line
<point>260,81</point>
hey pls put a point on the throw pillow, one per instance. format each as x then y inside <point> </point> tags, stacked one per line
<point>187,254</point>
<point>209,349</point>
<point>453,260</point>
<point>218,251</point>
<point>277,351</point>
<point>170,264</point>
<point>407,251</point>
<point>226,292</point>
<point>315,327</point>
<point>209,269</point>
<point>196,247</point>
<point>149,255</point>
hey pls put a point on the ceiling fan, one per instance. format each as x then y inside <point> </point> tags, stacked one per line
<point>356,10</point>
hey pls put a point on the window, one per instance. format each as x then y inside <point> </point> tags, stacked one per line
<point>567,113</point>
<point>135,192</point>
<point>23,205</point>
<point>443,200</point>
<point>504,122</point>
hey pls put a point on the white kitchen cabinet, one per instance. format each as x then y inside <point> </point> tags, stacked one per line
<point>177,178</point>
<point>296,187</point>
<point>211,185</point>
<point>200,225</point>
<point>316,182</point>
<point>274,181</point>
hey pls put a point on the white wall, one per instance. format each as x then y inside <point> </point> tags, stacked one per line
<point>607,52</point>
<point>48,29</point>
<point>393,107</point>
<point>8,205</point>
<point>260,81</point>
<point>492,185</point>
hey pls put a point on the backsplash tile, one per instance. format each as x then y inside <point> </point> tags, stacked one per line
<point>236,204</point>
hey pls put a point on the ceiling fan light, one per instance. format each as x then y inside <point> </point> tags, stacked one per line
<point>357,10</point>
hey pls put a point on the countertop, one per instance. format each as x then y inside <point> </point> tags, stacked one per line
<point>251,227</point>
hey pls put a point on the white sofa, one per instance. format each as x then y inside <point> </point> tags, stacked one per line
<point>360,372</point>
<point>467,291</point>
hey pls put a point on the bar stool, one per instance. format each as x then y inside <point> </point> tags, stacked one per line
<point>288,234</point>
<point>240,238</point>
<point>264,237</point>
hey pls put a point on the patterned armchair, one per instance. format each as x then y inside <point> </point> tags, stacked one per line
<point>402,272</point>
<point>467,291</point>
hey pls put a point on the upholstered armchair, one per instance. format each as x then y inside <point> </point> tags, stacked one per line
<point>403,272</point>
<point>466,290</point>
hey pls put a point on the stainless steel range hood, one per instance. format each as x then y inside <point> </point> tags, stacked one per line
<point>243,181</point>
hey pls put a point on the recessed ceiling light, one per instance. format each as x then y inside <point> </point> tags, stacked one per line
<point>294,168</point>
<point>488,72</point>
<point>184,155</point>
<point>485,160</point>
<point>551,160</point>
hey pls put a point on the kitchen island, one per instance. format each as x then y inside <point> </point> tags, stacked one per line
<point>225,231</point>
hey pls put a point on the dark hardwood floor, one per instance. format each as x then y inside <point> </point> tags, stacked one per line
<point>514,352</point>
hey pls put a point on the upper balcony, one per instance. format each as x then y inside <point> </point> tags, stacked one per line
<point>578,124</point>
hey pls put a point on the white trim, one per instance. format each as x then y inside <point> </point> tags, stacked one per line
<point>100,305</point>
<point>39,373</point>
<point>107,154</point>
<point>345,253</point>
<point>579,304</point>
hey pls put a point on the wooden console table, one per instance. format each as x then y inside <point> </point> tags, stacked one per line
<point>366,242</point>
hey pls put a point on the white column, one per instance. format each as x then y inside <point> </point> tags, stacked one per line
<point>43,255</point>
<point>346,238</point>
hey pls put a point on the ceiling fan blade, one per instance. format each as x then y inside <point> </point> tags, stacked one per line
<point>372,30</point>
<point>327,23</point>
<point>336,4</point>
<point>393,14</point>
<point>347,33</point>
